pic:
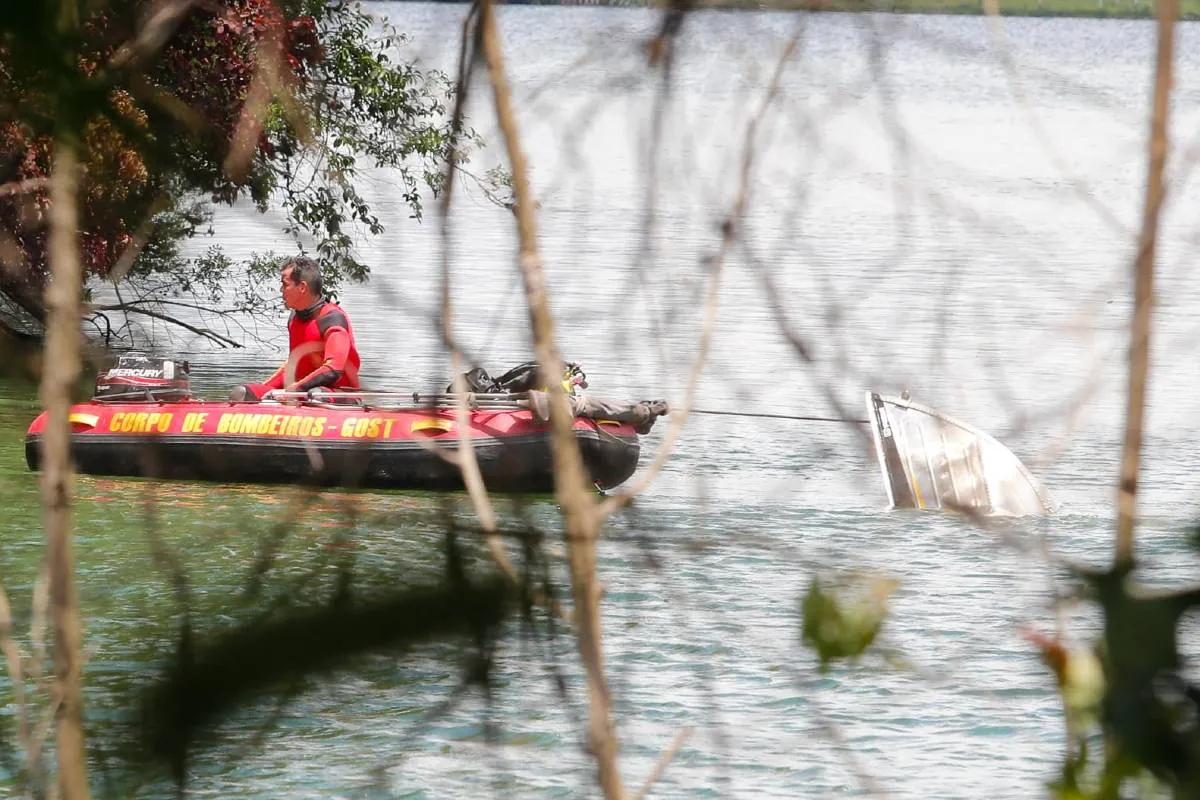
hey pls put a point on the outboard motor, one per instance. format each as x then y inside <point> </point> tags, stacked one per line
<point>138,378</point>
<point>521,378</point>
<point>525,377</point>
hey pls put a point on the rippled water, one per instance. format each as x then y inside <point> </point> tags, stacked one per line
<point>932,222</point>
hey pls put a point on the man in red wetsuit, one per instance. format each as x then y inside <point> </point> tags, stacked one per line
<point>321,341</point>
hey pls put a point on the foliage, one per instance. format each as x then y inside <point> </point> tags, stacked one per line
<point>1149,713</point>
<point>282,104</point>
<point>841,625</point>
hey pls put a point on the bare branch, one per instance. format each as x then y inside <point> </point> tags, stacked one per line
<point>134,249</point>
<point>853,762</point>
<point>467,461</point>
<point>730,230</point>
<point>666,758</point>
<point>60,375</point>
<point>570,482</point>
<point>272,81</point>
<point>244,142</point>
<point>1013,73</point>
<point>162,22</point>
<point>12,657</point>
<point>1143,298</point>
<point>20,187</point>
<point>205,332</point>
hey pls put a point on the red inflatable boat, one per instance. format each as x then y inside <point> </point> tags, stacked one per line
<point>145,431</point>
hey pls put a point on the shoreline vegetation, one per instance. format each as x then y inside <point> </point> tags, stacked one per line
<point>1099,9</point>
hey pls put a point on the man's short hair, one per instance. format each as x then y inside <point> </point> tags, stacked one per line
<point>305,269</point>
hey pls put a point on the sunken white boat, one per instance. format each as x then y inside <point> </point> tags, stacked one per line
<point>931,461</point>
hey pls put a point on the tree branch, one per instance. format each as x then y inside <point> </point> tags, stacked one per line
<point>570,482</point>
<point>20,187</point>
<point>468,464</point>
<point>1143,298</point>
<point>16,675</point>
<point>730,230</point>
<point>660,766</point>
<point>206,333</point>
<point>139,303</point>
<point>61,372</point>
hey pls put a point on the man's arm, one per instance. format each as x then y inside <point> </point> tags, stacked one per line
<point>276,380</point>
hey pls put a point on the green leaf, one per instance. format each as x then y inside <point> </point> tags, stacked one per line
<point>842,626</point>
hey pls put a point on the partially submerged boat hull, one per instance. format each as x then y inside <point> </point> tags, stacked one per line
<point>932,461</point>
<point>329,445</point>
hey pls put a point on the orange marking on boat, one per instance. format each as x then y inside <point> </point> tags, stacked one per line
<point>431,423</point>
<point>270,424</point>
<point>140,422</point>
<point>193,422</point>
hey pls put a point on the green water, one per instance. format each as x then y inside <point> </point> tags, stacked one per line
<point>18,487</point>
<point>145,552</point>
